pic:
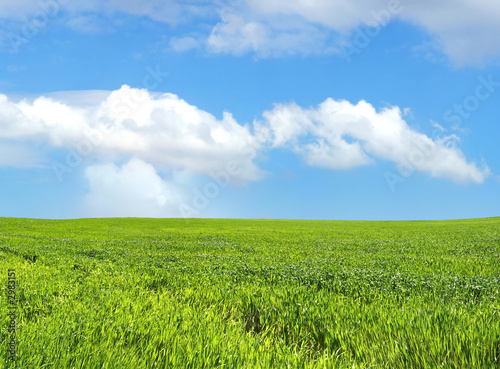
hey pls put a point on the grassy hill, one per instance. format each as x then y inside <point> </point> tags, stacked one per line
<point>210,293</point>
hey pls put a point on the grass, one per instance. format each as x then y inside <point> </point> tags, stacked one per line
<point>205,293</point>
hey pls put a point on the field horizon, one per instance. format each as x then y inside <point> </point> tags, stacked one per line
<point>270,219</point>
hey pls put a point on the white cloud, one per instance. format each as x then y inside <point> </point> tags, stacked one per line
<point>286,123</point>
<point>438,126</point>
<point>341,15</point>
<point>87,24</point>
<point>159,128</point>
<point>236,34</point>
<point>18,9</point>
<point>334,153</point>
<point>160,10</point>
<point>134,190</point>
<point>161,133</point>
<point>340,135</point>
<point>86,15</point>
<point>466,30</point>
<point>182,44</point>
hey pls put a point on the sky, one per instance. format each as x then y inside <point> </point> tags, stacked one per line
<point>284,109</point>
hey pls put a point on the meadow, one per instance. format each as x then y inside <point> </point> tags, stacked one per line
<point>214,293</point>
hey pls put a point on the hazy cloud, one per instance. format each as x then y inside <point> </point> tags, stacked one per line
<point>465,30</point>
<point>133,190</point>
<point>18,155</point>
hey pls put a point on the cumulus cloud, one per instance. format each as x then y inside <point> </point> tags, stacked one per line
<point>158,128</point>
<point>341,135</point>
<point>157,135</point>
<point>132,190</point>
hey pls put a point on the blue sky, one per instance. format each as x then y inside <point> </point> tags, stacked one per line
<point>250,109</point>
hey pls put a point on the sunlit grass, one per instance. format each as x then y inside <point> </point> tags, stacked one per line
<point>175,293</point>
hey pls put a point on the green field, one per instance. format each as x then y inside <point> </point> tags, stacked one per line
<point>176,293</point>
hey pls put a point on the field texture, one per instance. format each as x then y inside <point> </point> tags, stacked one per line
<point>163,293</point>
